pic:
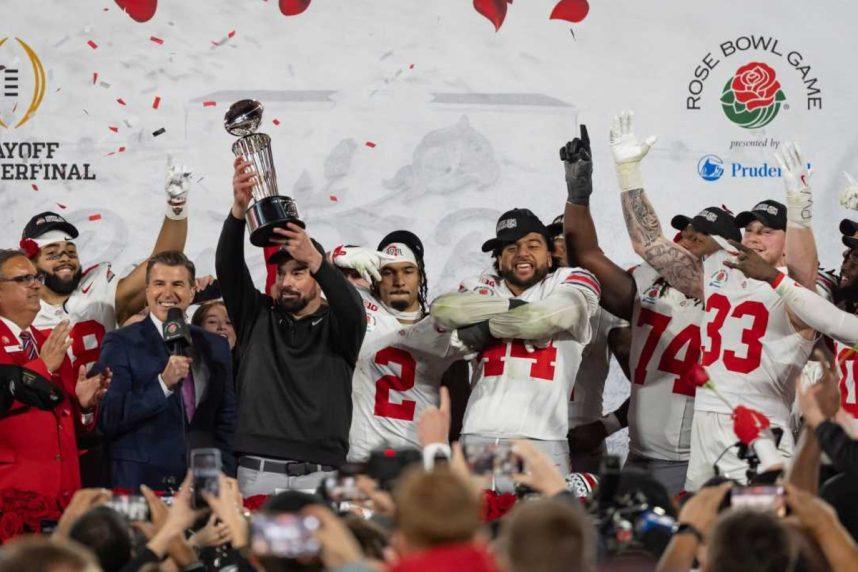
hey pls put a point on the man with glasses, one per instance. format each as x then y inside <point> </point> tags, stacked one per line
<point>38,449</point>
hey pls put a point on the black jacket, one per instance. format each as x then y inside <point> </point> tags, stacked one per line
<point>295,376</point>
<point>840,448</point>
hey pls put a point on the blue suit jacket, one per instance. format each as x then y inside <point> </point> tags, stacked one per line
<point>147,434</point>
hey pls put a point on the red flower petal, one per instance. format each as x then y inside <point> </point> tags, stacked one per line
<point>293,7</point>
<point>494,10</point>
<point>139,10</point>
<point>570,10</point>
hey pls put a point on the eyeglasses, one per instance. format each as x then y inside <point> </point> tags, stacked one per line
<point>26,279</point>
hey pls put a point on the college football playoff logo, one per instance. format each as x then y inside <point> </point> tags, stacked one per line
<point>21,97</point>
<point>752,97</point>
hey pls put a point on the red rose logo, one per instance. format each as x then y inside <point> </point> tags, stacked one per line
<point>755,85</point>
<point>753,96</point>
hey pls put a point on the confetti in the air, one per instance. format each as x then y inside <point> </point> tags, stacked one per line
<point>157,40</point>
<point>333,198</point>
<point>114,129</point>
<point>231,34</point>
<point>120,101</point>
<point>156,102</point>
<point>370,144</point>
<point>209,103</point>
<point>35,187</point>
<point>94,217</point>
<point>61,205</point>
<point>411,67</point>
<point>159,132</point>
<point>121,150</point>
<point>276,121</point>
<point>94,77</point>
<point>92,44</point>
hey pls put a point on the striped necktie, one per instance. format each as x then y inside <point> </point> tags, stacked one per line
<point>28,344</point>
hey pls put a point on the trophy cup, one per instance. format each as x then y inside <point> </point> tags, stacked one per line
<point>267,209</point>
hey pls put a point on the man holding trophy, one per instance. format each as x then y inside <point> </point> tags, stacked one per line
<point>297,350</point>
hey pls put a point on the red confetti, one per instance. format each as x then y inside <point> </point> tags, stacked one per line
<point>120,101</point>
<point>35,187</point>
<point>333,198</point>
<point>61,205</point>
<point>111,154</point>
<point>411,67</point>
<point>231,34</point>
<point>114,129</point>
<point>92,44</point>
<point>139,10</point>
<point>94,217</point>
<point>493,10</point>
<point>94,77</point>
<point>157,40</point>
<point>276,122</point>
<point>156,102</point>
<point>370,144</point>
<point>209,103</point>
<point>121,150</point>
<point>570,10</point>
<point>293,7</point>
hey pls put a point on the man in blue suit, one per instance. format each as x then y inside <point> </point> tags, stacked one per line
<point>159,406</point>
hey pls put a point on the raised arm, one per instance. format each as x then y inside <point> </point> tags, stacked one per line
<point>582,244</point>
<point>680,268</point>
<point>801,256</point>
<point>131,289</point>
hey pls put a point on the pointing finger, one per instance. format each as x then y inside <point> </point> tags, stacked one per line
<point>585,137</point>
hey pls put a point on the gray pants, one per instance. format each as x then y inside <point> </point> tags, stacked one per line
<point>557,451</point>
<point>671,474</point>
<point>262,482</point>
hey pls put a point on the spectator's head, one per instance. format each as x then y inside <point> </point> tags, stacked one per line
<point>372,539</point>
<point>432,509</point>
<point>748,540</point>
<point>403,285</point>
<point>20,285</point>
<point>700,234</point>
<point>555,232</point>
<point>211,316</point>
<point>169,283</point>
<point>548,535</point>
<point>107,534</point>
<point>849,267</point>
<point>48,236</point>
<point>39,554</point>
<point>295,291</point>
<point>521,249</point>
<point>765,230</point>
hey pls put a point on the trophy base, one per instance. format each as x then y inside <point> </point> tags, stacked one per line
<point>269,213</point>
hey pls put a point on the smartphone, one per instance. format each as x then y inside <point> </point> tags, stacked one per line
<point>206,467</point>
<point>133,507</point>
<point>495,459</point>
<point>759,497</point>
<point>343,488</point>
<point>284,535</point>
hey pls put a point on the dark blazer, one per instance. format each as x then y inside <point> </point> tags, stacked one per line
<point>147,434</point>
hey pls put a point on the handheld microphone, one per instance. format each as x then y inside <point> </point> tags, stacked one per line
<point>177,335</point>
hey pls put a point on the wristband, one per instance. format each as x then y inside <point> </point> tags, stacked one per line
<point>177,212</point>
<point>686,528</point>
<point>629,176</point>
<point>611,422</point>
<point>433,450</point>
<point>776,281</point>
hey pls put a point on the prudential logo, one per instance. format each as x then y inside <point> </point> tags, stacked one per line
<point>710,167</point>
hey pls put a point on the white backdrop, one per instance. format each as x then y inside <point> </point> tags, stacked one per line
<point>466,121</point>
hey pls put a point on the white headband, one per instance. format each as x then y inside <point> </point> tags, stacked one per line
<point>398,252</point>
<point>51,237</point>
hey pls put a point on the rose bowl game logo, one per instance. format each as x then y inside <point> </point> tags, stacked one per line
<point>752,97</point>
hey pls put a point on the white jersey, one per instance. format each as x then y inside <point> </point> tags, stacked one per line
<point>519,390</point>
<point>586,403</point>
<point>846,362</point>
<point>396,377</point>
<point>750,348</point>
<point>665,344</point>
<point>91,311</point>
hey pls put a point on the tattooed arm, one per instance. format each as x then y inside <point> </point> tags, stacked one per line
<point>680,268</point>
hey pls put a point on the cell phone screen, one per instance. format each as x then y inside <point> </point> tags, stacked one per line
<point>205,469</point>
<point>760,498</point>
<point>284,535</point>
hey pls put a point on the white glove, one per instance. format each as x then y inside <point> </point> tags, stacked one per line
<point>849,194</point>
<point>364,261</point>
<point>628,151</point>
<point>176,187</point>
<point>797,181</point>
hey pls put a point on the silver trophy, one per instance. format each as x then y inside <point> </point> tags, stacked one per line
<point>267,210</point>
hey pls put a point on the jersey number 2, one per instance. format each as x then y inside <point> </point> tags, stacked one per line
<point>402,382</point>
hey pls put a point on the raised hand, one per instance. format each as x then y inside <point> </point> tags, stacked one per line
<point>625,146</point>
<point>54,349</point>
<point>796,178</point>
<point>177,185</point>
<point>91,390</point>
<point>433,425</point>
<point>751,264</point>
<point>578,162</point>
<point>297,243</point>
<point>243,179</point>
<point>364,261</point>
